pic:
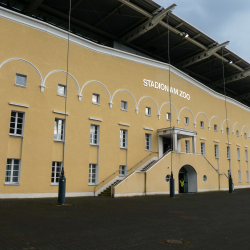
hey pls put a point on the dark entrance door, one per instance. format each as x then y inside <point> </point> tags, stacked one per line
<point>167,144</point>
<point>183,176</point>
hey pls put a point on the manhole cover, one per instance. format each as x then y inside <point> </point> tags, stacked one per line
<point>174,242</point>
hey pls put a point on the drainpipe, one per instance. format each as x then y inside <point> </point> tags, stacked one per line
<point>145,186</point>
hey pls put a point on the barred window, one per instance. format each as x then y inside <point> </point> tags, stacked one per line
<point>59,129</point>
<point>92,174</point>
<point>228,153</point>
<point>12,171</point>
<point>56,172</point>
<point>148,143</point>
<point>203,152</point>
<point>94,134</point>
<point>16,123</point>
<point>216,151</point>
<point>122,171</point>
<point>123,138</point>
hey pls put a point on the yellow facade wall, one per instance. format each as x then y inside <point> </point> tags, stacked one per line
<point>94,72</point>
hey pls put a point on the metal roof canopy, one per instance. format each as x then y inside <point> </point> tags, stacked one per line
<point>142,25</point>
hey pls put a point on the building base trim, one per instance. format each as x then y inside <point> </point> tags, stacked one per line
<point>243,186</point>
<point>42,195</point>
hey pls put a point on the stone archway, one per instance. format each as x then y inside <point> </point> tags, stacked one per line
<point>189,175</point>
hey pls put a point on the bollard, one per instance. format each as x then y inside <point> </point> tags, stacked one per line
<point>172,193</point>
<point>62,189</point>
<point>230,180</point>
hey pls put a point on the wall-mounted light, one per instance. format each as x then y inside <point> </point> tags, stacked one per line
<point>186,35</point>
<point>230,62</point>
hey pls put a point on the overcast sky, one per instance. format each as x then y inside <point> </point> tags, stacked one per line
<point>222,20</point>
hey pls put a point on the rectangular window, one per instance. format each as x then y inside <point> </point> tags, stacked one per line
<point>96,99</point>
<point>61,90</point>
<point>239,176</point>
<point>202,124</point>
<point>228,153</point>
<point>186,121</point>
<point>59,129</point>
<point>187,146</point>
<point>245,134</point>
<point>12,171</point>
<point>56,172</point>
<point>215,128</point>
<point>237,133</point>
<point>247,176</point>
<point>238,154</point>
<point>246,153</point>
<point>124,105</point>
<point>169,118</point>
<point>148,142</point>
<point>94,134</point>
<point>16,123</point>
<point>227,129</point>
<point>148,111</point>
<point>122,171</point>
<point>123,138</point>
<point>92,174</point>
<point>21,80</point>
<point>216,151</point>
<point>203,149</point>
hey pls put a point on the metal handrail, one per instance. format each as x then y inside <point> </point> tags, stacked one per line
<point>210,164</point>
<point>119,170</point>
<point>112,186</point>
<point>160,158</point>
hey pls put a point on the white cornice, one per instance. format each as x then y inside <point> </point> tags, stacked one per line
<point>50,29</point>
<point>95,119</point>
<point>124,124</point>
<point>59,112</point>
<point>18,104</point>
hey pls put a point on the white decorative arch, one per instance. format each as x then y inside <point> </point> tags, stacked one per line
<point>111,103</point>
<point>218,120</point>
<point>239,126</point>
<point>172,106</point>
<point>190,112</point>
<point>80,95</point>
<point>23,60</point>
<point>230,123</point>
<point>159,115</point>
<point>61,71</point>
<point>206,117</point>
<point>246,128</point>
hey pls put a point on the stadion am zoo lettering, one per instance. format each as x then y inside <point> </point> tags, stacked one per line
<point>161,86</point>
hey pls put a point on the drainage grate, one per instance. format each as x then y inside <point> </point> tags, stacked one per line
<point>174,242</point>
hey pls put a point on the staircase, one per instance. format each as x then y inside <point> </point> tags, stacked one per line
<point>107,191</point>
<point>144,169</point>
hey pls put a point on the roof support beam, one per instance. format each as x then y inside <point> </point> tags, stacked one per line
<point>107,16</point>
<point>201,56</point>
<point>176,31</point>
<point>231,78</point>
<point>146,26</point>
<point>33,6</point>
<point>75,5</point>
<point>76,21</point>
<point>243,96</point>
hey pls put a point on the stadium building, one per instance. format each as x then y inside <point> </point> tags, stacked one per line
<point>122,133</point>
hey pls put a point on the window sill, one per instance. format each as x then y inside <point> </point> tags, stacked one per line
<point>148,115</point>
<point>58,141</point>
<point>54,184</point>
<point>123,148</point>
<point>20,85</point>
<point>92,184</point>
<point>95,103</point>
<point>12,184</point>
<point>94,144</point>
<point>61,95</point>
<point>14,135</point>
<point>124,110</point>
<point>148,150</point>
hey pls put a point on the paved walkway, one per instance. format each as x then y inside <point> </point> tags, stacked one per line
<point>215,220</point>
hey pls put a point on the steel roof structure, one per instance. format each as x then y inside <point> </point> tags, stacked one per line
<point>142,26</point>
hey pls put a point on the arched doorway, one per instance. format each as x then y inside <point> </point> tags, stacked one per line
<point>189,175</point>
